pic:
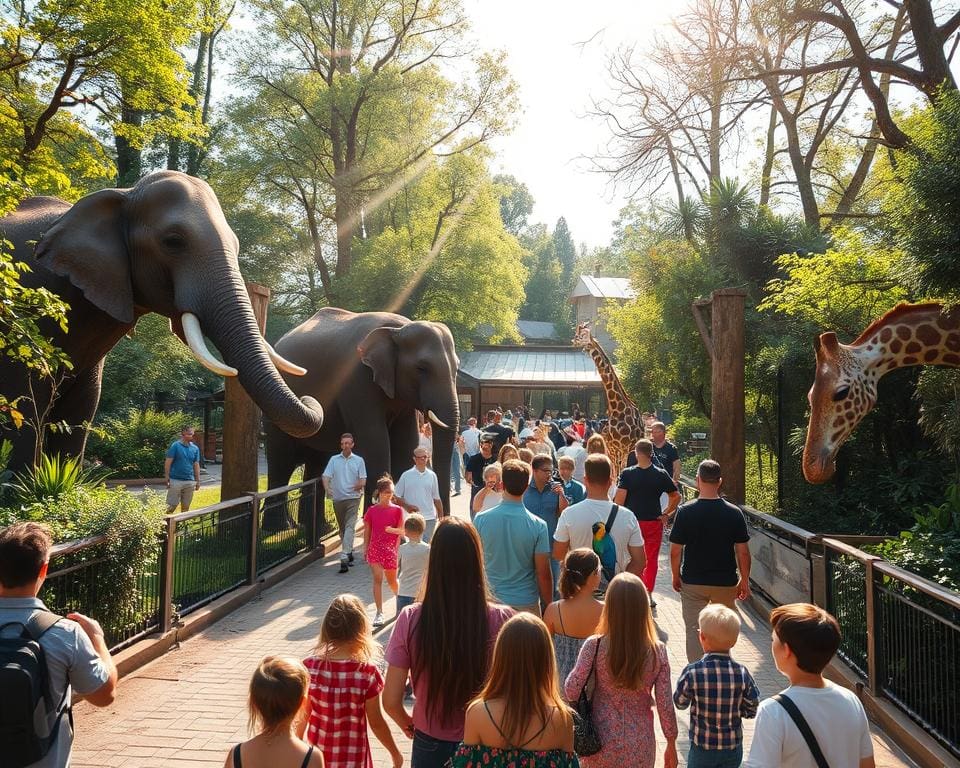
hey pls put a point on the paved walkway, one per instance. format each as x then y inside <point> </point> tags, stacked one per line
<point>189,707</point>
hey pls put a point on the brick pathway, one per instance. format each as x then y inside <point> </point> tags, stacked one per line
<point>189,707</point>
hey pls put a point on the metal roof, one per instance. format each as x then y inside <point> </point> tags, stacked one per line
<point>543,365</point>
<point>603,288</point>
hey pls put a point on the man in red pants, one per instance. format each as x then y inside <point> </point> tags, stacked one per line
<point>639,490</point>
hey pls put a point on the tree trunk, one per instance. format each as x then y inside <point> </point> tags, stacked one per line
<point>200,82</point>
<point>129,158</point>
<point>768,155</point>
<point>929,42</point>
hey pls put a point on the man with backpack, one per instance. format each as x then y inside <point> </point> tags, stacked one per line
<point>42,657</point>
<point>609,529</point>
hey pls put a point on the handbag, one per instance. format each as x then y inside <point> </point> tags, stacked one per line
<point>586,738</point>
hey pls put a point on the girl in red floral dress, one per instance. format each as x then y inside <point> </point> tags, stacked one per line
<point>383,527</point>
<point>345,686</point>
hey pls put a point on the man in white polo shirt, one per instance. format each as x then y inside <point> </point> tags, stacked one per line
<point>343,481</point>
<point>417,490</point>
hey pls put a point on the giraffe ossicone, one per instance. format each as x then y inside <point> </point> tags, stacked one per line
<point>845,386</point>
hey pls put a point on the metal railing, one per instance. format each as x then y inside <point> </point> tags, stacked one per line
<point>200,555</point>
<point>901,634</point>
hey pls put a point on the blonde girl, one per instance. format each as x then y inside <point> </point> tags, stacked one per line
<point>382,529</point>
<point>519,717</point>
<point>278,698</point>
<point>345,686</point>
<point>632,672</point>
<point>507,452</point>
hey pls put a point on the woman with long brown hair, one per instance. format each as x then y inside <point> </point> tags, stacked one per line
<point>519,717</point>
<point>444,643</point>
<point>632,672</point>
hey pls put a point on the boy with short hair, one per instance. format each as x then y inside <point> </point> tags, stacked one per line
<point>413,561</point>
<point>805,638</point>
<point>719,691</point>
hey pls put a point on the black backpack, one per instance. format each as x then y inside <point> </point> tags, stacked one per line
<point>25,682</point>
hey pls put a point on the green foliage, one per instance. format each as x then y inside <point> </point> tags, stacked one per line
<point>442,253</point>
<point>117,55</point>
<point>686,421</point>
<point>22,310</point>
<point>53,477</point>
<point>136,445</point>
<point>844,289</point>
<point>938,392</point>
<point>922,204</point>
<point>148,363</point>
<point>516,203</point>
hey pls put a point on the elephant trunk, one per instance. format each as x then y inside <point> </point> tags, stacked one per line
<point>227,319</point>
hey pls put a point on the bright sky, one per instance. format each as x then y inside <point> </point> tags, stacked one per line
<point>557,78</point>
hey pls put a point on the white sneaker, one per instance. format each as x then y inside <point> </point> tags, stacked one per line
<point>378,620</point>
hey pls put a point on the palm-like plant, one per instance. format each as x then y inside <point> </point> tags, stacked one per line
<point>52,477</point>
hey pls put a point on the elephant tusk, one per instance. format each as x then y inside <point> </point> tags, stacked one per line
<point>194,338</point>
<point>433,417</point>
<point>283,364</point>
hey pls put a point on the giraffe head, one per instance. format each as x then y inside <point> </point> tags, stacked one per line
<point>843,392</point>
<point>582,337</point>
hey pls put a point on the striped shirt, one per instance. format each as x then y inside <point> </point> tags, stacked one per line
<point>719,692</point>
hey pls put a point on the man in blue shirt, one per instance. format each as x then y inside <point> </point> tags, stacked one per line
<point>572,489</point>
<point>516,545</point>
<point>544,498</point>
<point>181,470</point>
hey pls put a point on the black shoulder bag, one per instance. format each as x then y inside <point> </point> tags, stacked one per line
<point>586,738</point>
<point>801,722</point>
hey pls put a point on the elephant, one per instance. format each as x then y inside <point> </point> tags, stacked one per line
<point>372,371</point>
<point>162,246</point>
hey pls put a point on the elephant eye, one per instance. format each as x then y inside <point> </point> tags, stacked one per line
<point>841,393</point>
<point>174,242</point>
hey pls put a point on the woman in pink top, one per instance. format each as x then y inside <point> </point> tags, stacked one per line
<point>444,643</point>
<point>382,529</point>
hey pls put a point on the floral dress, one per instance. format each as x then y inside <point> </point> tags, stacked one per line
<point>624,718</point>
<point>480,756</point>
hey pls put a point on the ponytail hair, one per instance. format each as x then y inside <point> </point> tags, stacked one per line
<point>578,566</point>
<point>384,483</point>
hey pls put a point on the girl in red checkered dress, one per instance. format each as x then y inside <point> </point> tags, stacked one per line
<point>345,686</point>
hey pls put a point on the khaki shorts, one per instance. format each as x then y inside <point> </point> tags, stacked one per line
<point>180,492</point>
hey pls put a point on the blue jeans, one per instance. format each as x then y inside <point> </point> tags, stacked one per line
<point>714,758</point>
<point>429,752</point>
<point>455,472</point>
<point>403,601</point>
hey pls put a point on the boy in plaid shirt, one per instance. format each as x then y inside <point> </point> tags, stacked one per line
<point>719,692</point>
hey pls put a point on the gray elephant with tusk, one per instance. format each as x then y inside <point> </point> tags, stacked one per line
<point>162,246</point>
<point>372,370</point>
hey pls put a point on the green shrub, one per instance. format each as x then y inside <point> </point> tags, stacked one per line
<point>685,423</point>
<point>113,591</point>
<point>136,446</point>
<point>55,476</point>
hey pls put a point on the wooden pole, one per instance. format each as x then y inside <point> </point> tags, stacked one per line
<point>725,344</point>
<point>241,420</point>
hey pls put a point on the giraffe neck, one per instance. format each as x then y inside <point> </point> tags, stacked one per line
<point>922,334</point>
<point>618,402</point>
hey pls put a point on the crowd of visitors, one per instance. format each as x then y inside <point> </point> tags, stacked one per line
<point>472,674</point>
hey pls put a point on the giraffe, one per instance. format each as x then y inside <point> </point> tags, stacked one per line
<point>845,386</point>
<point>625,423</point>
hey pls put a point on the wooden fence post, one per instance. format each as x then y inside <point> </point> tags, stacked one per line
<point>254,537</point>
<point>241,420</point>
<point>166,575</point>
<point>725,345</point>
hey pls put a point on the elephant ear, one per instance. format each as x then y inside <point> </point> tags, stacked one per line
<point>86,245</point>
<point>378,351</point>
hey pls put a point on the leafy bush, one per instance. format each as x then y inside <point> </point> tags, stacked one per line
<point>136,446</point>
<point>111,591</point>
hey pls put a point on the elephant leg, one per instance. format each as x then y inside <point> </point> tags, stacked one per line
<point>404,438</point>
<point>312,469</point>
<point>76,406</point>
<point>376,454</point>
<point>282,459</point>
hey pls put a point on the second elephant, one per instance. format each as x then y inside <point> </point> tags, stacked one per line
<point>371,371</point>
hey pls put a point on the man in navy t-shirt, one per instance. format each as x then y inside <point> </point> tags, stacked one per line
<point>639,490</point>
<point>181,470</point>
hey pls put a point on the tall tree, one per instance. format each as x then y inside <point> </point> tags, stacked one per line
<point>516,203</point>
<point>352,103</point>
<point>565,250</point>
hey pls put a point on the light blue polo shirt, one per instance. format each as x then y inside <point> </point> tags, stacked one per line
<point>511,537</point>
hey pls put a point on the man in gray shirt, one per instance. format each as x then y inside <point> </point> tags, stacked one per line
<point>343,481</point>
<point>76,653</point>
